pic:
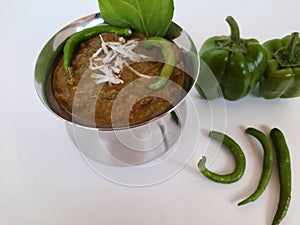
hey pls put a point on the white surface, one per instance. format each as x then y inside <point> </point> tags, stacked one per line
<point>43,178</point>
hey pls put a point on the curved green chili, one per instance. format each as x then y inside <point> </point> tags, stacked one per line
<point>169,57</point>
<point>85,35</point>
<point>240,160</point>
<point>285,174</point>
<point>267,164</point>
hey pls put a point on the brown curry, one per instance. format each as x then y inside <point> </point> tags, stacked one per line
<point>105,105</point>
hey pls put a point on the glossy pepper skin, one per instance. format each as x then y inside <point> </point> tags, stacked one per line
<point>229,65</point>
<point>282,76</point>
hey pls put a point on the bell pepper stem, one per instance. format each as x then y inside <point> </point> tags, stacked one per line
<point>291,46</point>
<point>234,29</point>
<point>288,55</point>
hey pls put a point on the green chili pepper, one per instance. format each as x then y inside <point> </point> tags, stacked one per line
<point>267,164</point>
<point>285,174</point>
<point>85,35</point>
<point>169,57</point>
<point>240,161</point>
<point>282,76</point>
<point>230,65</point>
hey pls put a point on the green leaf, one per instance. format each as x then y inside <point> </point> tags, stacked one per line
<point>150,17</point>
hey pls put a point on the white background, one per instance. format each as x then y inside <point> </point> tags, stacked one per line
<point>45,181</point>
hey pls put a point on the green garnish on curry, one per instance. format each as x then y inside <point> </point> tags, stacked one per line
<point>85,35</point>
<point>170,60</point>
<point>151,18</point>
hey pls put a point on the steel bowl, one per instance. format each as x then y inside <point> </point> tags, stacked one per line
<point>130,145</point>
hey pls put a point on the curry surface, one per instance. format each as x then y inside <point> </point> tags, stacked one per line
<point>106,105</point>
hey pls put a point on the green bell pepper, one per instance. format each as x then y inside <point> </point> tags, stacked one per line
<point>229,65</point>
<point>282,76</point>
